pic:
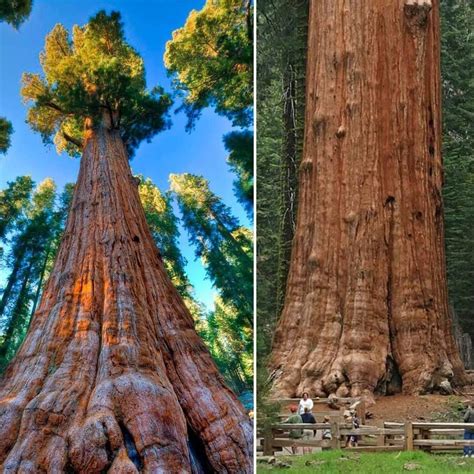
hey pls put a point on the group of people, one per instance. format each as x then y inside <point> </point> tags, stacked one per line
<point>303,414</point>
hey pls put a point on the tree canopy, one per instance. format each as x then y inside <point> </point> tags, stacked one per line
<point>15,12</point>
<point>6,130</point>
<point>89,74</point>
<point>211,59</point>
<point>240,147</point>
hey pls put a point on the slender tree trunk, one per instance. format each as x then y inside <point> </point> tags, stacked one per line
<point>16,313</point>
<point>40,281</point>
<point>366,307</point>
<point>11,281</point>
<point>112,376</point>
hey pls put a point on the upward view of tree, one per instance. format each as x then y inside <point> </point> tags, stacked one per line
<point>211,61</point>
<point>15,12</point>
<point>111,360</point>
<point>367,274</point>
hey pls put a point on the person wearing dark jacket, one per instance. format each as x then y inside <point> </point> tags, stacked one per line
<point>469,432</point>
<point>308,417</point>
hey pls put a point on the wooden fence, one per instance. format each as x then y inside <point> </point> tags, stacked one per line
<point>389,436</point>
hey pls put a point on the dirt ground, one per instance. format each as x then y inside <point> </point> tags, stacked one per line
<point>422,407</point>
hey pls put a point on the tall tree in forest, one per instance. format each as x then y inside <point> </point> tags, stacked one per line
<point>457,71</point>
<point>6,130</point>
<point>13,200</point>
<point>36,231</point>
<point>211,61</point>
<point>112,372</point>
<point>240,148</point>
<point>366,295</point>
<point>15,12</point>
<point>230,345</point>
<point>281,58</point>
<point>224,246</point>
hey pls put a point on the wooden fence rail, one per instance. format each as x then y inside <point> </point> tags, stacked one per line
<point>390,436</point>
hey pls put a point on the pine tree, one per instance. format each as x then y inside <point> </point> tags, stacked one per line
<point>15,12</point>
<point>35,231</point>
<point>457,70</point>
<point>6,130</point>
<point>211,61</point>
<point>13,200</point>
<point>111,361</point>
<point>240,148</point>
<point>224,247</point>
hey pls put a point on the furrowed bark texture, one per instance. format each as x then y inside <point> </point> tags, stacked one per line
<point>112,376</point>
<point>366,306</point>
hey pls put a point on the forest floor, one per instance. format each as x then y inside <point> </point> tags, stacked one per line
<point>340,462</point>
<point>401,408</point>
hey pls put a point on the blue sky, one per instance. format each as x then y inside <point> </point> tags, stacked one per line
<point>148,25</point>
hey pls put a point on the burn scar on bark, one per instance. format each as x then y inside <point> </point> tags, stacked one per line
<point>390,207</point>
<point>416,12</point>
<point>131,447</point>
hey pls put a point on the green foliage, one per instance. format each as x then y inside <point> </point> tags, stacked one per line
<point>35,229</point>
<point>6,130</point>
<point>13,200</point>
<point>281,50</point>
<point>336,462</point>
<point>457,64</point>
<point>211,59</point>
<point>15,12</point>
<point>226,252</point>
<point>231,346</point>
<point>92,75</point>
<point>240,148</point>
<point>224,247</point>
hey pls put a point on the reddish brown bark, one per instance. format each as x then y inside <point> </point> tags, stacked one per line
<point>366,307</point>
<point>112,376</point>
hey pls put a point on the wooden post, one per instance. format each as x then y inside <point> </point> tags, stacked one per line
<point>336,436</point>
<point>360,412</point>
<point>380,438</point>
<point>408,436</point>
<point>267,442</point>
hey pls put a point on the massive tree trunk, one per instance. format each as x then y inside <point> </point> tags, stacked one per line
<point>112,376</point>
<point>366,307</point>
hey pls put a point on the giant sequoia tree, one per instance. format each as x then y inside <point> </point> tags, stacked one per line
<point>366,296</point>
<point>112,375</point>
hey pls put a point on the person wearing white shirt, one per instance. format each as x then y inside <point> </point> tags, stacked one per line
<point>305,402</point>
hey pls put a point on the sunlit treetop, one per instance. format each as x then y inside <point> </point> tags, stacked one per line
<point>15,12</point>
<point>92,74</point>
<point>211,60</point>
<point>6,130</point>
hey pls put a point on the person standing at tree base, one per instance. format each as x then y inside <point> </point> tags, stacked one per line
<point>469,432</point>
